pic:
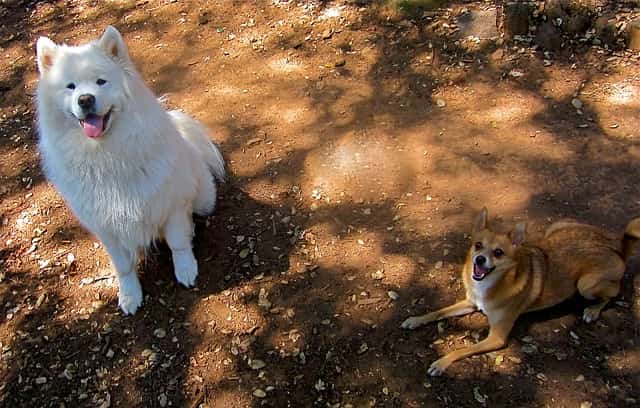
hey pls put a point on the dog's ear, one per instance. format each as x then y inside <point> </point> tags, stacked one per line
<point>518,234</point>
<point>481,220</point>
<point>113,45</point>
<point>46,51</point>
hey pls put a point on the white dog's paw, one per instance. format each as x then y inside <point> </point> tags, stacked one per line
<point>185,267</point>
<point>130,294</point>
<point>412,323</point>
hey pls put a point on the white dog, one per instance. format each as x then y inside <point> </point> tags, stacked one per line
<point>131,171</point>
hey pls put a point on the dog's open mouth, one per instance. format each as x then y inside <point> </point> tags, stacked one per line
<point>94,125</point>
<point>479,272</point>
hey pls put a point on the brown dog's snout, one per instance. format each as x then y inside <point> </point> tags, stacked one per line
<point>480,260</point>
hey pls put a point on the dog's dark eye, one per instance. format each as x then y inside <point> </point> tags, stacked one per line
<point>101,81</point>
<point>478,245</point>
<point>71,85</point>
<point>498,252</point>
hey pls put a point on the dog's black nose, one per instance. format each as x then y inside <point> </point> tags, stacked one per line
<point>86,101</point>
<point>480,260</point>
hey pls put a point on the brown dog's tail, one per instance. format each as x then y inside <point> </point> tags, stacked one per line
<point>631,236</point>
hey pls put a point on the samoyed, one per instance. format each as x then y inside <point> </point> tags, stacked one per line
<point>131,171</point>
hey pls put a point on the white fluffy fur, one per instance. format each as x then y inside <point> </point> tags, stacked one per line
<point>143,178</point>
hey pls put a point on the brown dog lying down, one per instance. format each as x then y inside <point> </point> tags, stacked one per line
<point>505,277</point>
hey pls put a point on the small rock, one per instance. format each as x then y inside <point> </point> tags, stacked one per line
<point>259,393</point>
<point>363,348</point>
<point>41,299</point>
<point>263,300</point>
<point>41,380</point>
<point>439,264</point>
<point>257,364</point>
<point>441,103</point>
<point>586,404</point>
<point>160,333</point>
<point>163,400</point>
<point>577,103</point>
<point>203,18</point>
<point>481,398</point>
<point>393,295</point>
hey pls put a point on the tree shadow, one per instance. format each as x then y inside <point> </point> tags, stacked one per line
<point>325,326</point>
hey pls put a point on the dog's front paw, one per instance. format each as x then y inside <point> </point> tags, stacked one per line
<point>185,267</point>
<point>438,367</point>
<point>591,313</point>
<point>413,322</point>
<point>130,294</point>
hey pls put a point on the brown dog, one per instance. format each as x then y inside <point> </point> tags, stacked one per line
<point>505,277</point>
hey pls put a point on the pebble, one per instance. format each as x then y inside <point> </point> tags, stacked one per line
<point>162,400</point>
<point>259,393</point>
<point>160,333</point>
<point>577,103</point>
<point>393,295</point>
<point>257,364</point>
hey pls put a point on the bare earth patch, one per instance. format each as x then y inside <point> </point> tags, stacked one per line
<point>360,145</point>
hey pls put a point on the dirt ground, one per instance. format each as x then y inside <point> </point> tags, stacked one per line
<point>360,145</point>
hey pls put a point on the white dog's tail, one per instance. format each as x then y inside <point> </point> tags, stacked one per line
<point>196,134</point>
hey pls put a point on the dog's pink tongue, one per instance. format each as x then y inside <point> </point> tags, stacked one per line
<point>92,125</point>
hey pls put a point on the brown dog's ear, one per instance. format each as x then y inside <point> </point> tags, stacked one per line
<point>113,45</point>
<point>518,234</point>
<point>46,51</point>
<point>481,220</point>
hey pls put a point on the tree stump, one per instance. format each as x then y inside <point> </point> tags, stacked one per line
<point>633,35</point>
<point>513,18</point>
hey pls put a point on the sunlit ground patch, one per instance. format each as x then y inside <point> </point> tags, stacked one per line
<point>364,168</point>
<point>285,65</point>
<point>226,90</point>
<point>624,94</point>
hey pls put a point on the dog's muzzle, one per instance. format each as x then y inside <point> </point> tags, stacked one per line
<point>480,268</point>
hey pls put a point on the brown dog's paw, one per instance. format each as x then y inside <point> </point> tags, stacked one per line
<point>591,314</point>
<point>438,367</point>
<point>413,323</point>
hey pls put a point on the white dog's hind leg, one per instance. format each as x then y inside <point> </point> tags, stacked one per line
<point>178,232</point>
<point>124,261</point>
